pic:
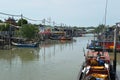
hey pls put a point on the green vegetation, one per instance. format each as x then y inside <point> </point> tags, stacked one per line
<point>1,21</point>
<point>4,27</point>
<point>29,31</point>
<point>100,28</point>
<point>25,30</point>
<point>22,22</point>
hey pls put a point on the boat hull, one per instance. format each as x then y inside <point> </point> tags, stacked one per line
<point>103,45</point>
<point>32,45</point>
<point>60,38</point>
<point>96,72</point>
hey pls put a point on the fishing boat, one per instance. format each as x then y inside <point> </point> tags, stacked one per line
<point>102,55</point>
<point>54,38</point>
<point>35,44</point>
<point>66,38</point>
<point>106,40</point>
<point>106,45</point>
<point>109,45</point>
<point>97,66</point>
<point>91,63</point>
<point>94,45</point>
<point>95,73</point>
<point>61,38</point>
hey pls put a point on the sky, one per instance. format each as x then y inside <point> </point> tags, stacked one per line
<point>83,13</point>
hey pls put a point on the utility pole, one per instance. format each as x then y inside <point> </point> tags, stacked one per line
<point>49,21</point>
<point>10,34</point>
<point>53,23</point>
<point>21,19</point>
<point>116,32</point>
<point>43,21</point>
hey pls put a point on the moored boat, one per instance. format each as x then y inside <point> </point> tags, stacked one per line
<point>61,38</point>
<point>109,45</point>
<point>102,55</point>
<point>97,66</point>
<point>94,73</point>
<point>35,44</point>
<point>66,38</point>
<point>106,45</point>
<point>94,45</point>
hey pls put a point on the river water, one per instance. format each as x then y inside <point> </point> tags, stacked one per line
<point>53,60</point>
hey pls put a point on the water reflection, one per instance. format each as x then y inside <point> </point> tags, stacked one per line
<point>50,48</point>
<point>53,60</point>
<point>112,57</point>
<point>47,50</point>
<point>33,63</point>
<point>23,54</point>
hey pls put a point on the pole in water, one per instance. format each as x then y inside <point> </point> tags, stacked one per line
<point>114,61</point>
<point>115,52</point>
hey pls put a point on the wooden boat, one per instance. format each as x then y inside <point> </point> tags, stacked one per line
<point>103,55</point>
<point>55,38</point>
<point>106,40</point>
<point>97,66</point>
<point>109,45</point>
<point>94,73</point>
<point>66,38</point>
<point>25,44</point>
<point>94,45</point>
<point>61,38</point>
<point>106,45</point>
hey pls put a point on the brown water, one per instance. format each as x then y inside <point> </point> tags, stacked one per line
<point>53,60</point>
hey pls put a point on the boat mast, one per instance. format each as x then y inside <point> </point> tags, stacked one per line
<point>105,23</point>
<point>106,12</point>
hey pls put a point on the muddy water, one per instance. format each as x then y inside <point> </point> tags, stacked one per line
<point>53,60</point>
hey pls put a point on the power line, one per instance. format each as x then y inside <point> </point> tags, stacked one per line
<point>10,14</point>
<point>31,19</point>
<point>21,16</point>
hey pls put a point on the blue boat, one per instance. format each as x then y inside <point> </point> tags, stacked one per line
<point>94,45</point>
<point>35,44</point>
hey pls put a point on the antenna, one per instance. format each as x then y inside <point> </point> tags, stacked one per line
<point>106,11</point>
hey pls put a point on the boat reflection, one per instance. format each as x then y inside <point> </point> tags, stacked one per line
<point>23,54</point>
<point>46,50</point>
<point>51,47</point>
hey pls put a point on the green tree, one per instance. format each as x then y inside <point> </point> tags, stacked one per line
<point>100,28</point>
<point>4,27</point>
<point>22,22</point>
<point>1,21</point>
<point>29,31</point>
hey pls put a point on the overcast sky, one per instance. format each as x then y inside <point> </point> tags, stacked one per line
<point>70,12</point>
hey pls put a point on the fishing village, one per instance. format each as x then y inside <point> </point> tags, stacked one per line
<point>97,64</point>
<point>13,33</point>
<point>46,49</point>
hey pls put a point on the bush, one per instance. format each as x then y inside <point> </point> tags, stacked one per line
<point>29,31</point>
